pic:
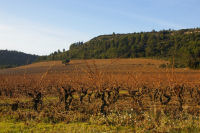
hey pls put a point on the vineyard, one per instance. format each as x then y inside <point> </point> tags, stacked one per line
<point>118,95</point>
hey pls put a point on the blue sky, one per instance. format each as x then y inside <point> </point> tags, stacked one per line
<point>43,26</point>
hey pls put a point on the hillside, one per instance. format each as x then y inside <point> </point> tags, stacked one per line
<point>15,58</point>
<point>183,45</point>
<point>105,65</point>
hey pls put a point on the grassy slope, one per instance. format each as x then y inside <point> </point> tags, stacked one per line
<point>147,69</point>
<point>111,65</point>
<point>191,125</point>
<point>15,127</point>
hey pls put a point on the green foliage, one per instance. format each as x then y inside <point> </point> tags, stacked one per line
<point>10,59</point>
<point>66,61</point>
<point>184,45</point>
<point>10,126</point>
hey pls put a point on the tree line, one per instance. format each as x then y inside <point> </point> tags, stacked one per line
<point>10,59</point>
<point>182,47</point>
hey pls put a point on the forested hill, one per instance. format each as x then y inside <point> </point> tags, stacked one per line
<point>15,58</point>
<point>183,45</point>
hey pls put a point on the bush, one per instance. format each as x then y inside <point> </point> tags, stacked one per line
<point>162,66</point>
<point>66,61</point>
<point>194,64</point>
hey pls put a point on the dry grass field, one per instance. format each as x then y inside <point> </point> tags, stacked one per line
<point>107,95</point>
<point>147,69</point>
<point>106,65</point>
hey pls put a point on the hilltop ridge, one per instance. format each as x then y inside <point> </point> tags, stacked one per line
<point>182,46</point>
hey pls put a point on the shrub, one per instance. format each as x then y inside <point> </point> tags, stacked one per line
<point>194,63</point>
<point>66,61</point>
<point>162,66</point>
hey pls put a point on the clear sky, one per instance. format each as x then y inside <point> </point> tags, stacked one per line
<point>43,26</point>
